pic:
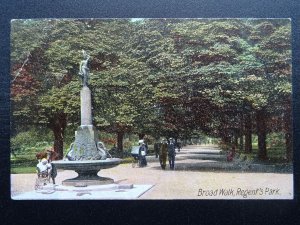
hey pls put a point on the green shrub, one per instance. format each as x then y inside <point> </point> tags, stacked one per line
<point>31,141</point>
<point>127,145</point>
<point>276,140</point>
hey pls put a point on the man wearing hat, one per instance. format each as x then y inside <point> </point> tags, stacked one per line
<point>171,153</point>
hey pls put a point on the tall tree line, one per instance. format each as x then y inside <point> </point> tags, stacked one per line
<point>165,77</point>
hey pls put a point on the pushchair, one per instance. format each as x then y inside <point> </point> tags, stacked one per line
<point>135,156</point>
<point>44,173</point>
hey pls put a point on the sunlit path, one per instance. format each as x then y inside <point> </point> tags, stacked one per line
<point>196,168</point>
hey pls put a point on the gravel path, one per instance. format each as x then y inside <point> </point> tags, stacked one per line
<point>201,172</point>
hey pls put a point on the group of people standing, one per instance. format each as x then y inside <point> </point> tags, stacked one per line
<point>167,149</point>
<point>163,150</point>
<point>44,167</point>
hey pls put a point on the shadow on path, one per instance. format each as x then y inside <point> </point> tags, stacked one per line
<point>204,158</point>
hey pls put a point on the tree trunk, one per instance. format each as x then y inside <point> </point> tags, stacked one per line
<point>120,135</point>
<point>58,126</point>
<point>235,139</point>
<point>241,133</point>
<point>289,146</point>
<point>248,133</point>
<point>288,132</point>
<point>261,134</point>
<point>241,144</point>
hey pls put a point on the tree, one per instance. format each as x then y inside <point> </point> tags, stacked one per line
<point>48,103</point>
<point>165,77</point>
<point>272,50</point>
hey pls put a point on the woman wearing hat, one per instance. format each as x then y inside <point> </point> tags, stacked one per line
<point>142,154</point>
<point>163,154</point>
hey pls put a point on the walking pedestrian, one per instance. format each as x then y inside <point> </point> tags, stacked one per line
<point>163,151</point>
<point>171,153</point>
<point>51,154</point>
<point>178,145</point>
<point>142,154</point>
<point>156,149</point>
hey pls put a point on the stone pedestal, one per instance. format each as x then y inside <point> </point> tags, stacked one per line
<point>86,137</point>
<point>85,144</point>
<point>86,106</point>
<point>87,179</point>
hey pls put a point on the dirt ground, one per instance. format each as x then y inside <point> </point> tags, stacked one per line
<point>201,172</point>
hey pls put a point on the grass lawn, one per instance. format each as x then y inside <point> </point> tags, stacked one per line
<point>21,170</point>
<point>274,154</point>
<point>23,164</point>
<point>27,165</point>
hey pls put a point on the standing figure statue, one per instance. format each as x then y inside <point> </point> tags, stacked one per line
<point>83,68</point>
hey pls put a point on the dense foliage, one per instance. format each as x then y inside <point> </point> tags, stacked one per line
<point>162,77</point>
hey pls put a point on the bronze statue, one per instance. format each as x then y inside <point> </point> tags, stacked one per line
<point>83,68</point>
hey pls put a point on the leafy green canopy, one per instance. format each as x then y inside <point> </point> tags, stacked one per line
<point>157,76</point>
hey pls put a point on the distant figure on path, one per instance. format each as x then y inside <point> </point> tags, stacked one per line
<point>231,154</point>
<point>142,154</point>
<point>178,145</point>
<point>171,153</point>
<point>156,149</point>
<point>163,151</point>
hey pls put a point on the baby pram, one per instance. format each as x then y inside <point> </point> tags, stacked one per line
<point>135,155</point>
<point>45,171</point>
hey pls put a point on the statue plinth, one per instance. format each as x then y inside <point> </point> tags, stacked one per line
<point>86,106</point>
<point>85,144</point>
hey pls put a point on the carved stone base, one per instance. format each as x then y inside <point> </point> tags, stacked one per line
<point>84,182</point>
<point>85,144</point>
<point>87,171</point>
<point>86,178</point>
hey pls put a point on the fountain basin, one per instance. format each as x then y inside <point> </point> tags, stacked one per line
<point>87,171</point>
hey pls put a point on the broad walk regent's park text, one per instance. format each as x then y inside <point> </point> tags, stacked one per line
<point>239,192</point>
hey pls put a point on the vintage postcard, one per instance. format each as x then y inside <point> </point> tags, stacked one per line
<point>143,108</point>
